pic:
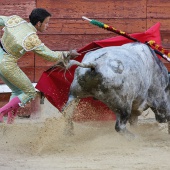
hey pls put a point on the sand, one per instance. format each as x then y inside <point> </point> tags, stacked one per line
<point>40,144</point>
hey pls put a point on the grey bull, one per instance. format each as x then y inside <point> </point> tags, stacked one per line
<point>129,79</point>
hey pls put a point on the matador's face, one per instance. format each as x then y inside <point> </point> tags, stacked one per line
<point>44,25</point>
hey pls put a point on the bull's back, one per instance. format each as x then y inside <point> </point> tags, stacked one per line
<point>126,68</point>
<point>131,60</point>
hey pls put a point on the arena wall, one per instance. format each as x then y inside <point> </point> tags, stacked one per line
<point>68,31</point>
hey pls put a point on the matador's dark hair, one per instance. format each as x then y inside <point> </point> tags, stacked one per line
<point>38,14</point>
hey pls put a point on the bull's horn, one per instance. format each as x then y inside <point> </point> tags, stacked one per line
<point>74,62</point>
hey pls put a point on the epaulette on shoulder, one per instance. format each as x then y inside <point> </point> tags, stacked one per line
<point>14,21</point>
<point>31,42</point>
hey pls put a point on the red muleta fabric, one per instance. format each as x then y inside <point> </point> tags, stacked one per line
<point>55,84</point>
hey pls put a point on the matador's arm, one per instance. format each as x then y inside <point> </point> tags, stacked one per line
<point>47,54</point>
<point>33,43</point>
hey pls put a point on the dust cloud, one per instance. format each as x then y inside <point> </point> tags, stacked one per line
<point>40,143</point>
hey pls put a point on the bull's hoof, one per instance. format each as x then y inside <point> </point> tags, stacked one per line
<point>161,119</point>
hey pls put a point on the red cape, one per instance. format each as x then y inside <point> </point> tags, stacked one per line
<point>55,84</point>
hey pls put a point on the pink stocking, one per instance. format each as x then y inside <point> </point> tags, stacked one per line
<point>11,105</point>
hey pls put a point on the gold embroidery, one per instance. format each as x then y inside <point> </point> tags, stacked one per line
<point>14,21</point>
<point>31,42</point>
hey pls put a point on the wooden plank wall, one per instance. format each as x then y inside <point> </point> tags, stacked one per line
<point>67,30</point>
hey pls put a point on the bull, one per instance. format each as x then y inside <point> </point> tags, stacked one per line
<point>129,79</point>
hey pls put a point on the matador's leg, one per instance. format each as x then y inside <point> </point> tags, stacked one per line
<point>20,83</point>
<point>15,92</point>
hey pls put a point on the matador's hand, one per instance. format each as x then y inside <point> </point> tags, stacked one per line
<point>73,54</point>
<point>70,55</point>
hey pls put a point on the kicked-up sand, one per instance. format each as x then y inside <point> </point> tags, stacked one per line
<point>40,144</point>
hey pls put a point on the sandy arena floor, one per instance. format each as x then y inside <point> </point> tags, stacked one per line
<point>39,144</point>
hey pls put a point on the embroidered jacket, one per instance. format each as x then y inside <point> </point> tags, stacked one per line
<point>20,36</point>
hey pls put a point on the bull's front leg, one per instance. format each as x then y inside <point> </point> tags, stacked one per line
<point>68,111</point>
<point>121,121</point>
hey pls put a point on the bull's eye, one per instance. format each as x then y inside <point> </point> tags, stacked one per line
<point>92,69</point>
